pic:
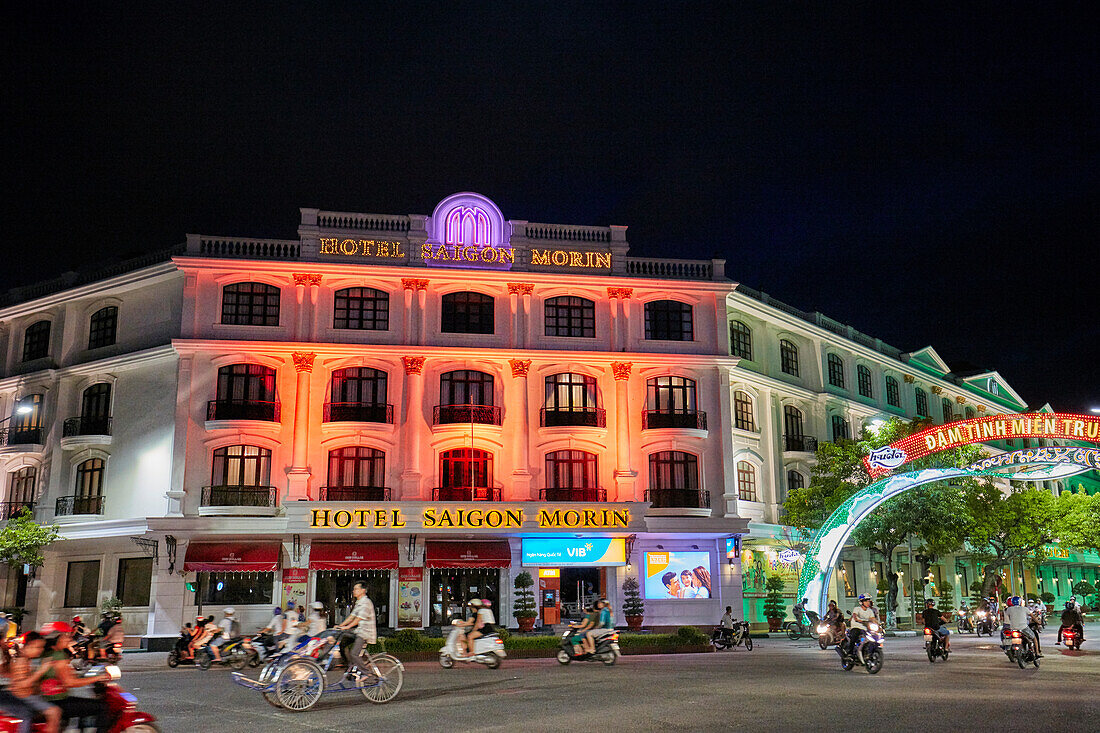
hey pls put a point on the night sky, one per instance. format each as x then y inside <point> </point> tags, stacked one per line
<point>927,179</point>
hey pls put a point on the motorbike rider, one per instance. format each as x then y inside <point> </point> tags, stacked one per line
<point>112,634</point>
<point>19,698</point>
<point>603,621</point>
<point>725,626</point>
<point>937,621</point>
<point>230,628</point>
<point>59,679</point>
<point>1071,619</point>
<point>834,618</point>
<point>799,609</point>
<point>862,615</point>
<point>362,619</point>
<point>1017,618</point>
<point>79,627</point>
<point>481,623</point>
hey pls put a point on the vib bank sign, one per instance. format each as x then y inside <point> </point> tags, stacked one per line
<point>561,551</point>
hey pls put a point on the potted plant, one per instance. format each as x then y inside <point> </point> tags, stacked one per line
<point>633,606</point>
<point>947,597</point>
<point>1047,598</point>
<point>524,608</point>
<point>774,607</point>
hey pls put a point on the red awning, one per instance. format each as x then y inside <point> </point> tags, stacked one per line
<point>353,556</point>
<point>467,555</point>
<point>240,557</point>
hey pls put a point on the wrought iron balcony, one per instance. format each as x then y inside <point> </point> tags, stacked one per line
<point>358,412</point>
<point>86,426</point>
<point>573,494</point>
<point>242,410</point>
<point>21,436</point>
<point>803,443</point>
<point>12,509</point>
<point>478,414</point>
<point>258,496</point>
<point>689,419</point>
<point>591,417</point>
<point>354,493</point>
<point>70,505</point>
<point>678,498</point>
<point>465,493</point>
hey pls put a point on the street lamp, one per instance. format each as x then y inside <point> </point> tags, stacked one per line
<point>21,409</point>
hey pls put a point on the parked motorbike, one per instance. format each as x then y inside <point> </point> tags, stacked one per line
<point>607,648</point>
<point>123,715</point>
<point>867,654</point>
<point>934,646</point>
<point>1071,638</point>
<point>964,622</point>
<point>1020,649</point>
<point>724,638</point>
<point>829,635</point>
<point>488,649</point>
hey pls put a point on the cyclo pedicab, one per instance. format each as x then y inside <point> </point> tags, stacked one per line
<point>296,679</point>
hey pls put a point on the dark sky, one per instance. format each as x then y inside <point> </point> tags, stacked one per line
<point>929,179</point>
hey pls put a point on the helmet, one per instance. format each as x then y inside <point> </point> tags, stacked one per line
<point>929,601</point>
<point>475,603</point>
<point>317,606</point>
<point>201,618</point>
<point>1014,601</point>
<point>486,602</point>
<point>1069,605</point>
<point>77,620</point>
<point>805,601</point>
<point>864,597</point>
<point>56,627</point>
<point>230,611</point>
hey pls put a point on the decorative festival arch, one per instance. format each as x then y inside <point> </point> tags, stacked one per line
<point>1034,464</point>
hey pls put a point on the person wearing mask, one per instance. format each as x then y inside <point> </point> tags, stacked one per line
<point>58,680</point>
<point>229,628</point>
<point>20,699</point>
<point>862,616</point>
<point>366,632</point>
<point>937,622</point>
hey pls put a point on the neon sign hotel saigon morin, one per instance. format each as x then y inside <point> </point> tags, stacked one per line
<point>403,399</point>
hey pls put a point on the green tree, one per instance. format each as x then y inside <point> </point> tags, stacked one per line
<point>22,541</point>
<point>633,605</point>
<point>524,605</point>
<point>774,607</point>
<point>1005,528</point>
<point>1080,526</point>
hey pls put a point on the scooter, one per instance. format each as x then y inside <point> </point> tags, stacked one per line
<point>488,649</point>
<point>829,635</point>
<point>607,648</point>
<point>934,646</point>
<point>724,638</point>
<point>259,647</point>
<point>1022,650</point>
<point>963,622</point>
<point>1071,638</point>
<point>987,623</point>
<point>868,653</point>
<point>233,654</point>
<point>81,662</point>
<point>122,713</point>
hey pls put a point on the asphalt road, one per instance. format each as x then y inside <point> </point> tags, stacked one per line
<point>780,686</point>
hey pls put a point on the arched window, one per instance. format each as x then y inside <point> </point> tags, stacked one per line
<point>26,421</point>
<point>746,481</point>
<point>569,316</point>
<point>741,340</point>
<point>466,474</point>
<point>793,438</point>
<point>863,378</point>
<point>250,304</point>
<point>970,414</point>
<point>674,481</point>
<point>356,473</point>
<point>358,394</point>
<point>742,411</point>
<point>948,410</point>
<point>21,492</point>
<point>795,480</point>
<point>836,371</point>
<point>840,428</point>
<point>571,400</point>
<point>788,357</point>
<point>572,475</point>
<point>671,404</point>
<point>245,392</point>
<point>668,320</point>
<point>922,402</point>
<point>36,341</point>
<point>88,492</point>
<point>467,313</point>
<point>466,396</point>
<point>103,327</point>
<point>362,309</point>
<point>893,392</point>
<point>240,475</point>
<point>95,412</point>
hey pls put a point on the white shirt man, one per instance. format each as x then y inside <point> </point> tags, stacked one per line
<point>727,621</point>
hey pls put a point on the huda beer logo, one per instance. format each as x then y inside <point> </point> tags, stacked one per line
<point>887,458</point>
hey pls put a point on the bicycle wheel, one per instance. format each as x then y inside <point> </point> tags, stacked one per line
<point>794,631</point>
<point>383,679</point>
<point>300,684</point>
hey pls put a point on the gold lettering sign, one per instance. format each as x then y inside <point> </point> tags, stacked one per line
<point>570,258</point>
<point>362,248</point>
<point>447,517</point>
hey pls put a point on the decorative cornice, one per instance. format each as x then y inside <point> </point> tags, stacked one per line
<point>414,283</point>
<point>981,408</point>
<point>961,400</point>
<point>413,364</point>
<point>521,288</point>
<point>621,369</point>
<point>623,293</point>
<point>909,379</point>
<point>307,278</point>
<point>303,361</point>
<point>936,389</point>
<point>520,367</point>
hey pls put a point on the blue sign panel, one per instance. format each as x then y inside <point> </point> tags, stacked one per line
<point>564,551</point>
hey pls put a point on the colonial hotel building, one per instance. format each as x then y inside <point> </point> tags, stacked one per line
<point>430,403</point>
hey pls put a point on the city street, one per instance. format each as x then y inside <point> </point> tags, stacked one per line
<point>780,685</point>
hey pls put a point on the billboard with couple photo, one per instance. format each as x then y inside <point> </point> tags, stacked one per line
<point>681,575</point>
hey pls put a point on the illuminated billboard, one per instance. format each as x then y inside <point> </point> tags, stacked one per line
<point>677,575</point>
<point>564,551</point>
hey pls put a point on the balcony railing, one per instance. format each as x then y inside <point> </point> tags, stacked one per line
<point>465,493</point>
<point>592,417</point>
<point>21,436</point>
<point>12,509</point>
<point>70,505</point>
<point>354,493</point>
<point>86,426</point>
<point>690,419</point>
<point>242,410</point>
<point>572,494</point>
<point>803,443</point>
<point>258,496</point>
<point>678,498</point>
<point>479,414</point>
<point>358,412</point>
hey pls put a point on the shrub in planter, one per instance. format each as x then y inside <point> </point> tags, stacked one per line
<point>633,605</point>
<point>774,607</point>
<point>1047,597</point>
<point>524,608</point>
<point>947,597</point>
<point>689,635</point>
<point>976,592</point>
<point>1083,589</point>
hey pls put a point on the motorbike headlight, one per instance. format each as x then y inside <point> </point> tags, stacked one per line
<point>821,629</point>
<point>873,627</point>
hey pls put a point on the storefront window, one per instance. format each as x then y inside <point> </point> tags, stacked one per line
<point>82,584</point>
<point>231,589</point>
<point>452,588</point>
<point>135,577</point>
<point>333,588</point>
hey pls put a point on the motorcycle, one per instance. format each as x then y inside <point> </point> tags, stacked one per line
<point>1071,638</point>
<point>259,647</point>
<point>724,638</point>
<point>829,635</point>
<point>607,649</point>
<point>122,713</point>
<point>867,654</point>
<point>233,654</point>
<point>1022,650</point>
<point>987,623</point>
<point>963,622</point>
<point>87,656</point>
<point>488,649</point>
<point>934,646</point>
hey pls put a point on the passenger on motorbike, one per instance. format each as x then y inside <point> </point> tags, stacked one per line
<point>1017,618</point>
<point>19,699</point>
<point>114,634</point>
<point>481,624</point>
<point>591,620</point>
<point>937,621</point>
<point>862,615</point>
<point>58,680</point>
<point>229,628</point>
<point>603,621</point>
<point>1071,619</point>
